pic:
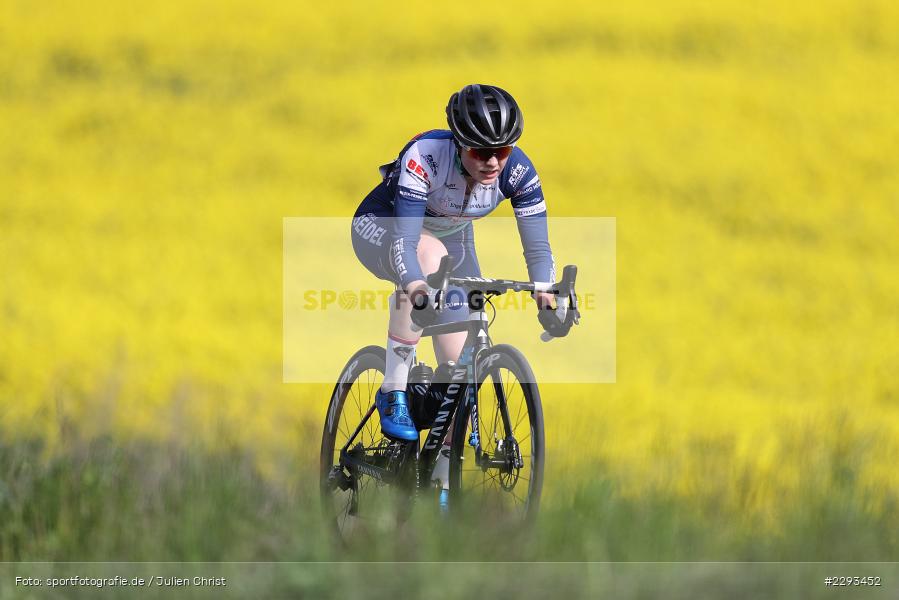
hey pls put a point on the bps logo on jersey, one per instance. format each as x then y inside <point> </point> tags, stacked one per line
<point>417,170</point>
<point>516,174</point>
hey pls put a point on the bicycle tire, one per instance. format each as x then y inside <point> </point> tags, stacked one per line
<point>475,489</point>
<point>351,399</point>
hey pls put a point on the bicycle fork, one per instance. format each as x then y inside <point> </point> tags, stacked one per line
<point>507,456</point>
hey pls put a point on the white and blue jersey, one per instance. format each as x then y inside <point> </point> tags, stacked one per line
<point>425,188</point>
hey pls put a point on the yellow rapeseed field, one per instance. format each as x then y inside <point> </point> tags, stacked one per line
<point>749,152</point>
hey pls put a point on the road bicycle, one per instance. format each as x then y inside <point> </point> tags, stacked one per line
<point>488,408</point>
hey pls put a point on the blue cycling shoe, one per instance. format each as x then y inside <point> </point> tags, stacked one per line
<point>396,422</point>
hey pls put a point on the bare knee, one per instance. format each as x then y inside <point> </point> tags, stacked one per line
<point>430,251</point>
<point>449,346</point>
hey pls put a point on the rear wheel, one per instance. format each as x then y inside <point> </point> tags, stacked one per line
<point>500,477</point>
<point>354,503</point>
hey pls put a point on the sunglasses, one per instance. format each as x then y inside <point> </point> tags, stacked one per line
<point>484,154</point>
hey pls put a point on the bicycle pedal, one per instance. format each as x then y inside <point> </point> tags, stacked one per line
<point>396,445</point>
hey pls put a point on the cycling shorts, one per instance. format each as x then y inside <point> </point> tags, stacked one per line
<point>376,257</point>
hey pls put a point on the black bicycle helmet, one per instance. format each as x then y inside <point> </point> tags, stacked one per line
<point>484,116</point>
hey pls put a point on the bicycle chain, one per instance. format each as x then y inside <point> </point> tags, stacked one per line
<point>399,461</point>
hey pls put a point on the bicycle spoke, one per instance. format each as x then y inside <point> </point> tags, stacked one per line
<point>483,483</point>
<point>517,497</point>
<point>518,416</point>
<point>354,390</point>
<point>487,478</point>
<point>515,427</point>
<point>345,429</point>
<point>496,422</point>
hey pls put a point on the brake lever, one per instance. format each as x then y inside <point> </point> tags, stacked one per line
<point>438,280</point>
<point>566,299</point>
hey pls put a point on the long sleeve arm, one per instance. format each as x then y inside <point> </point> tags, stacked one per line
<point>522,185</point>
<point>410,203</point>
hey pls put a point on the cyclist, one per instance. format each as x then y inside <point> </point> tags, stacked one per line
<point>423,210</point>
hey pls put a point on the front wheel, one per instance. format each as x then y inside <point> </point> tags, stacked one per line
<point>496,461</point>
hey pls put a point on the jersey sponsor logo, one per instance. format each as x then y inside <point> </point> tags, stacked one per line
<point>367,229</point>
<point>476,203</point>
<point>413,168</point>
<point>529,187</point>
<point>517,173</point>
<point>411,194</point>
<point>398,265</point>
<point>533,209</point>
<point>445,208</point>
<point>429,158</point>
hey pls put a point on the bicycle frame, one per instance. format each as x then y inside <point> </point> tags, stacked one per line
<point>462,386</point>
